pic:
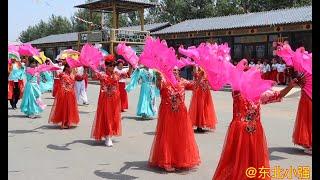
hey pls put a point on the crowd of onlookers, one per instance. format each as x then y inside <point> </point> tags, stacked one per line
<point>275,70</point>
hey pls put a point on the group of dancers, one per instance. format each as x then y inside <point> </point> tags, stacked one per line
<point>174,145</point>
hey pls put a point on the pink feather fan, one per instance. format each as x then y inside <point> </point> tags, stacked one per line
<point>89,57</point>
<point>128,54</point>
<point>42,68</point>
<point>158,56</point>
<point>301,61</point>
<point>28,50</point>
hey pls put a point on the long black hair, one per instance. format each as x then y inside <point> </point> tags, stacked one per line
<point>66,66</point>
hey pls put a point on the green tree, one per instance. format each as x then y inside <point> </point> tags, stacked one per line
<point>55,25</point>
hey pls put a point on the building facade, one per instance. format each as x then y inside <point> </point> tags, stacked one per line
<point>250,36</point>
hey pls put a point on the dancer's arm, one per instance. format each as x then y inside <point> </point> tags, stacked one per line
<point>158,79</point>
<point>276,96</point>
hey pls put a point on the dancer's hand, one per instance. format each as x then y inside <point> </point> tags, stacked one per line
<point>293,83</point>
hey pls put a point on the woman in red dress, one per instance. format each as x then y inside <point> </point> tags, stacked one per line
<point>245,144</point>
<point>174,144</point>
<point>202,111</point>
<point>65,109</point>
<point>126,72</point>
<point>302,132</point>
<point>107,121</point>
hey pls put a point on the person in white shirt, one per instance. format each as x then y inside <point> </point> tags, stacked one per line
<point>259,65</point>
<point>281,79</point>
<point>80,86</point>
<point>252,64</point>
<point>274,71</point>
<point>122,83</point>
<point>265,70</point>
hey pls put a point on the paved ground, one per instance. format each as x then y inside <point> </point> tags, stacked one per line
<point>38,151</point>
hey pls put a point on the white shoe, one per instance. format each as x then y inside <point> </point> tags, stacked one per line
<point>32,116</point>
<point>308,151</point>
<point>108,142</point>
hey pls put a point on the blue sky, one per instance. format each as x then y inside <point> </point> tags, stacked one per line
<point>23,13</point>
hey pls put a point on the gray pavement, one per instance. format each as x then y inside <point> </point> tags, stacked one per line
<point>39,151</point>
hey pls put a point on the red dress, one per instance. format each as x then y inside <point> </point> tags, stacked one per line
<point>11,87</point>
<point>245,144</point>
<point>56,85</point>
<point>302,133</point>
<point>65,108</point>
<point>122,85</point>
<point>202,111</point>
<point>107,120</point>
<point>174,144</point>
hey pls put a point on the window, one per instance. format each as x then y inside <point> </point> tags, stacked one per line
<point>248,51</point>
<point>260,49</point>
<point>237,50</point>
<point>273,38</point>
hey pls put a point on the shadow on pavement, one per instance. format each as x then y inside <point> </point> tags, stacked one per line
<point>137,118</point>
<point>18,116</point>
<point>134,165</point>
<point>150,133</point>
<point>108,175</point>
<point>86,142</point>
<point>21,131</point>
<point>131,117</point>
<point>64,167</point>
<point>288,150</point>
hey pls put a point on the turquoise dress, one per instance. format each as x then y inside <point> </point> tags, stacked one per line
<point>148,92</point>
<point>31,103</point>
<point>17,73</point>
<point>46,81</point>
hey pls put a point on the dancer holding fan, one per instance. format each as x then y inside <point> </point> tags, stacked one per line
<point>65,109</point>
<point>146,104</point>
<point>31,104</point>
<point>107,121</point>
<point>301,61</point>
<point>174,146</point>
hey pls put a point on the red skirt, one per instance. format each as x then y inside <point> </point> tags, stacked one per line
<point>201,110</point>
<point>273,75</point>
<point>242,150</point>
<point>281,77</point>
<point>65,109</point>
<point>174,144</point>
<point>123,96</point>
<point>302,133</point>
<point>108,118</point>
<point>265,76</point>
<point>11,87</point>
<point>56,87</point>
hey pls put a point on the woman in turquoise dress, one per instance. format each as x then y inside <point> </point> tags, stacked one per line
<point>146,105</point>
<point>31,104</point>
<point>46,80</point>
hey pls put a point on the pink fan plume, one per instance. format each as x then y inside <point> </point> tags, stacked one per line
<point>73,63</point>
<point>301,61</point>
<point>90,56</point>
<point>213,59</point>
<point>28,50</point>
<point>158,56</point>
<point>13,48</point>
<point>42,68</point>
<point>128,54</point>
<point>182,62</point>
